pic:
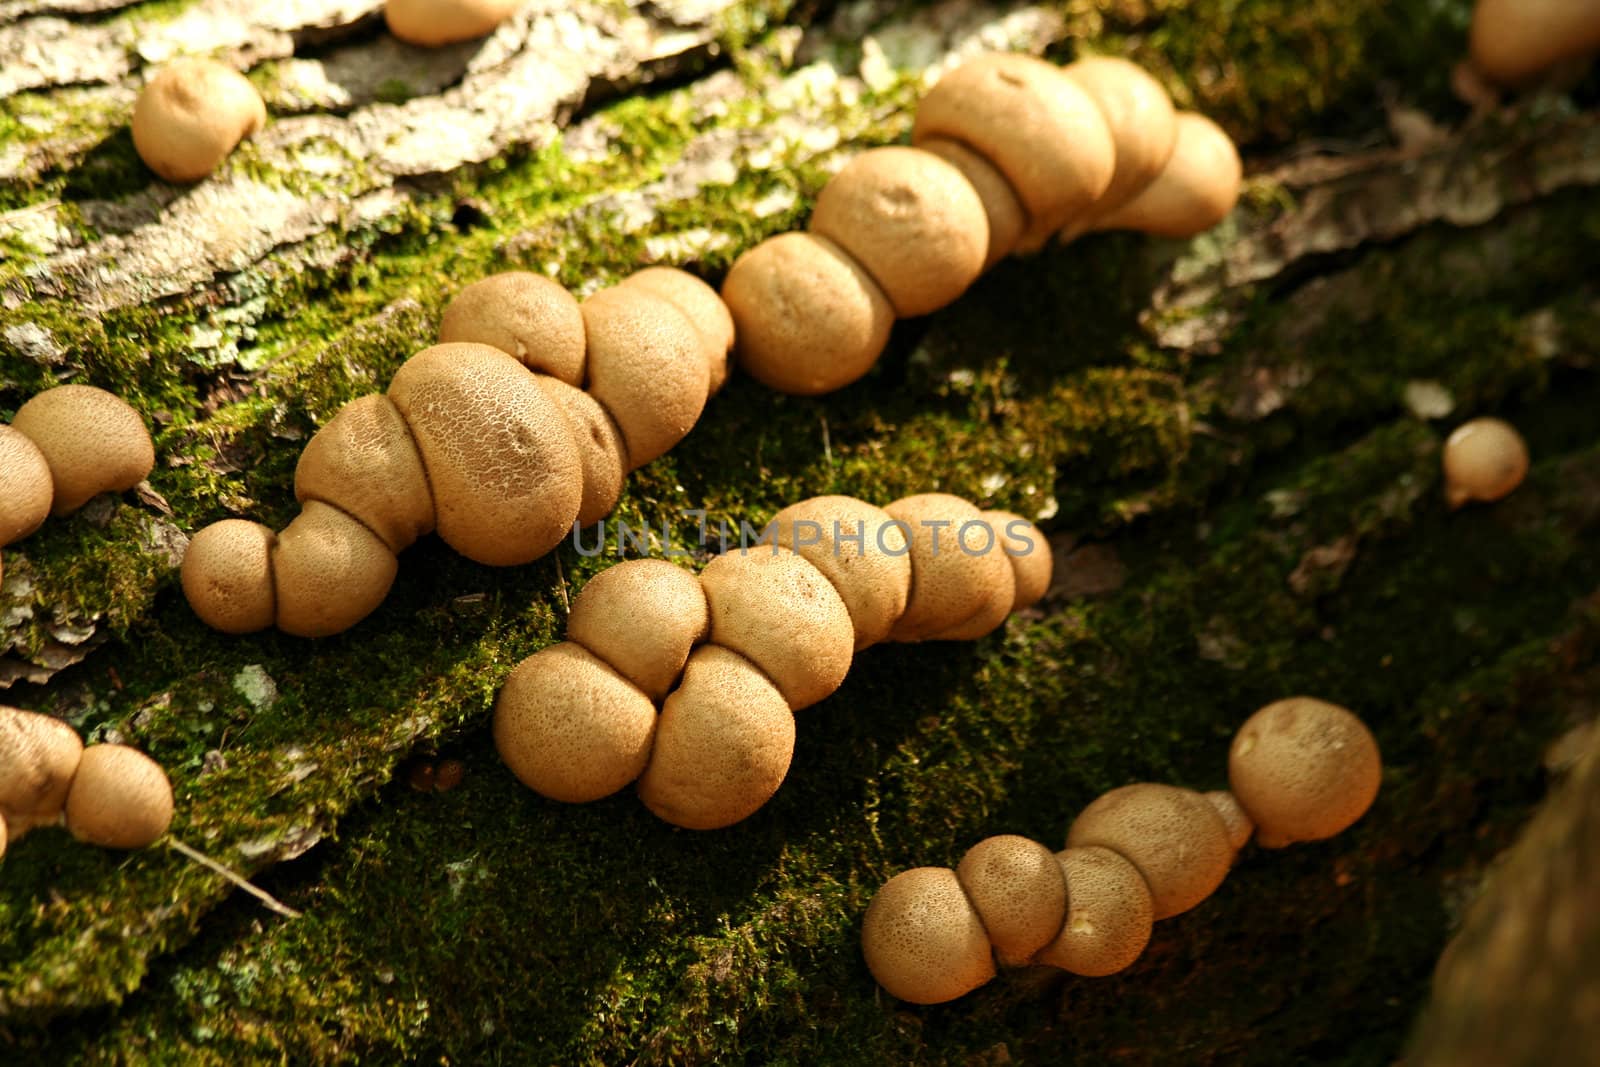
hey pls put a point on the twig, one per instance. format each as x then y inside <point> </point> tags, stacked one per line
<point>561,576</point>
<point>272,903</point>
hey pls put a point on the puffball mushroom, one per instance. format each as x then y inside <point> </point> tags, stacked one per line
<point>642,617</point>
<point>1484,460</point>
<point>1173,836</point>
<point>1142,121</point>
<point>949,585</point>
<point>1109,914</point>
<point>602,453</point>
<point>227,576</point>
<point>434,23</point>
<point>365,463</point>
<point>26,491</point>
<point>912,220</point>
<point>525,315</point>
<point>39,754</point>
<point>1004,212</point>
<point>1303,770</point>
<point>703,308</point>
<point>1198,188</point>
<point>120,798</point>
<point>1028,552</point>
<point>861,550</point>
<point>923,940</point>
<point>1017,889</point>
<point>1514,41</point>
<point>92,441</point>
<point>570,727</point>
<point>191,115</point>
<point>1240,828</point>
<point>723,743</point>
<point>328,572</point>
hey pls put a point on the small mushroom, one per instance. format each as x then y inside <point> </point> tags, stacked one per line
<point>5,835</point>
<point>191,115</point>
<point>1017,889</point>
<point>1240,828</point>
<point>858,548</point>
<point>602,453</point>
<point>1142,122</point>
<point>434,23</point>
<point>1514,41</point>
<point>39,754</point>
<point>1007,218</point>
<point>951,580</point>
<point>1109,914</point>
<point>1198,188</point>
<point>1303,770</point>
<point>1484,460</point>
<point>703,308</point>
<point>227,576</point>
<point>1027,550</point>
<point>93,441</point>
<point>1173,836</point>
<point>525,315</point>
<point>365,463</point>
<point>642,617</point>
<point>723,743</point>
<point>25,488</point>
<point>809,318</point>
<point>923,940</point>
<point>120,798</point>
<point>571,728</point>
<point>328,572</point>
<point>912,220</point>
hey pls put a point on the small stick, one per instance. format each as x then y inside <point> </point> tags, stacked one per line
<point>271,902</point>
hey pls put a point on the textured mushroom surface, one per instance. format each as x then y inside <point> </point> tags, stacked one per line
<point>1028,552</point>
<point>1005,214</point>
<point>1514,41</point>
<point>1197,189</point>
<point>1240,828</point>
<point>433,23</point>
<point>642,617</point>
<point>328,572</point>
<point>1173,836</point>
<point>1016,887</point>
<point>1303,770</point>
<point>602,453</point>
<point>1140,116</point>
<point>120,798</point>
<point>93,441</point>
<point>227,576</point>
<point>858,547</point>
<point>923,940</point>
<point>25,488</point>
<point>950,580</point>
<point>191,115</point>
<point>703,308</point>
<point>365,463</point>
<point>525,315</point>
<point>39,754</point>
<point>1109,914</point>
<point>1484,460</point>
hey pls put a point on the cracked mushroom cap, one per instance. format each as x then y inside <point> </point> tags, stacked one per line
<point>1173,836</point>
<point>1514,41</point>
<point>1303,770</point>
<point>952,581</point>
<point>571,728</point>
<point>191,115</point>
<point>26,491</point>
<point>1006,216</point>
<point>364,462</point>
<point>923,940</point>
<point>434,23</point>
<point>1109,914</point>
<point>1142,121</point>
<point>1028,551</point>
<point>642,617</point>
<point>328,572</point>
<point>120,798</point>
<point>227,576</point>
<point>602,454</point>
<point>527,316</point>
<point>93,441</point>
<point>1015,885</point>
<point>1198,188</point>
<point>1240,828</point>
<point>39,754</point>
<point>1484,460</point>
<point>703,308</point>
<point>861,550</point>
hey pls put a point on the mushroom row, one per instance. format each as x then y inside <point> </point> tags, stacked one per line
<point>107,795</point>
<point>1513,42</point>
<point>765,630</point>
<point>66,446</point>
<point>1299,770</point>
<point>521,422</point>
<point>1007,151</point>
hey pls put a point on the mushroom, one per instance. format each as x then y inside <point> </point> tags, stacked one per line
<point>4,836</point>
<point>39,754</point>
<point>1109,914</point>
<point>1197,190</point>
<point>571,728</point>
<point>602,453</point>
<point>1004,211</point>
<point>1173,836</point>
<point>227,576</point>
<point>647,366</point>
<point>809,318</point>
<point>858,548</point>
<point>328,572</point>
<point>912,220</point>
<point>1016,887</point>
<point>507,482</point>
<point>641,617</point>
<point>120,798</point>
<point>1303,770</point>
<point>1142,122</point>
<point>1514,41</point>
<point>365,463</point>
<point>950,581</point>
<point>25,488</point>
<point>1027,550</point>
<point>923,940</point>
<point>1240,828</point>
<point>723,743</point>
<point>778,610</point>
<point>527,316</point>
<point>191,115</point>
<point>703,308</point>
<point>1484,460</point>
<point>1038,128</point>
<point>93,441</point>
<point>433,23</point>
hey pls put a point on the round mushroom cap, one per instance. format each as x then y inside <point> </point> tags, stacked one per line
<point>1240,828</point>
<point>858,548</point>
<point>26,491</point>
<point>1028,551</point>
<point>1006,216</point>
<point>1109,914</point>
<point>191,115</point>
<point>723,744</point>
<point>989,618</point>
<point>93,441</point>
<point>1036,125</point>
<point>1484,459</point>
<point>809,318</point>
<point>432,23</point>
<point>642,617</point>
<point>1303,770</point>
<point>647,366</point>
<point>1015,885</point>
<point>527,316</point>
<point>227,576</point>
<point>1197,190</point>
<point>778,610</point>
<point>501,460</point>
<point>923,940</point>
<point>39,754</point>
<point>1174,836</point>
<point>912,220</point>
<point>1142,121</point>
<point>5,835</point>
<point>703,308</point>
<point>120,798</point>
<point>571,728</point>
<point>328,572</point>
<point>365,463</point>
<point>956,565</point>
<point>1514,41</point>
<point>602,454</point>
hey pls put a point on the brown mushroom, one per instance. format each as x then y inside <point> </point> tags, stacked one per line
<point>723,743</point>
<point>25,488</point>
<point>703,308</point>
<point>952,581</point>
<point>1240,828</point>
<point>1109,914</point>
<point>858,548</point>
<point>365,463</point>
<point>602,453</point>
<point>1006,216</point>
<point>1016,887</point>
<point>120,798</point>
<point>227,576</point>
<point>93,441</point>
<point>1303,770</point>
<point>5,835</point>
<point>328,572</point>
<point>1142,122</point>
<point>1028,552</point>
<point>923,940</point>
<point>809,318</point>
<point>525,315</point>
<point>39,754</point>
<point>571,728</point>
<point>191,115</point>
<point>642,617</point>
<point>1198,188</point>
<point>1514,41</point>
<point>1484,460</point>
<point>1174,836</point>
<point>434,23</point>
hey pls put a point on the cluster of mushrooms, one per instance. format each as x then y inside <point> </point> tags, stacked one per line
<point>107,795</point>
<point>1007,152</point>
<point>1515,42</point>
<point>1299,770</point>
<point>521,422</point>
<point>730,655</point>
